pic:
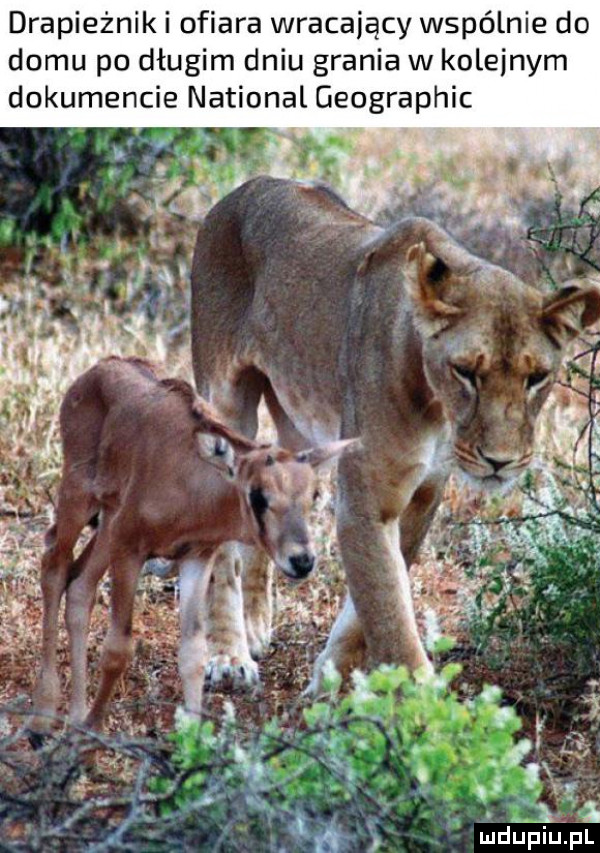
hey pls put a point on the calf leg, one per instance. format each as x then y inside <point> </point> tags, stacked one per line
<point>117,650</point>
<point>74,511</point>
<point>81,594</point>
<point>194,577</point>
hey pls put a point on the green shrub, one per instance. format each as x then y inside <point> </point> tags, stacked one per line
<point>60,183</point>
<point>369,771</point>
<point>541,585</point>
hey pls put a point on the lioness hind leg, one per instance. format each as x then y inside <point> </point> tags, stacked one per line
<point>229,660</point>
<point>250,596</point>
<point>257,586</point>
<point>287,434</point>
<point>257,578</point>
<point>238,398</point>
<point>418,515</point>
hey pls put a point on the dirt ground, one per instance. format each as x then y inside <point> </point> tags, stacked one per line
<point>150,691</point>
<point>58,314</point>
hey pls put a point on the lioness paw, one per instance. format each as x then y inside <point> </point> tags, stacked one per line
<point>258,633</point>
<point>231,672</point>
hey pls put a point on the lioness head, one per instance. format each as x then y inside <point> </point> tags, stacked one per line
<point>491,349</point>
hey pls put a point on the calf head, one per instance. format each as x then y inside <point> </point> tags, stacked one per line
<point>276,489</point>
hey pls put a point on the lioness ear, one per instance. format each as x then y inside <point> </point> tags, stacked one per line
<point>568,312</point>
<point>425,277</point>
<point>317,456</point>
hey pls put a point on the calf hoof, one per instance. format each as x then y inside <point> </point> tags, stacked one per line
<point>231,672</point>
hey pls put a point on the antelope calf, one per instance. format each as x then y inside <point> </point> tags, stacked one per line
<point>163,476</point>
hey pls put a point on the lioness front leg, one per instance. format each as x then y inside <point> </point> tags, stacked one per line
<point>229,655</point>
<point>379,587</point>
<point>346,646</point>
<point>381,601</point>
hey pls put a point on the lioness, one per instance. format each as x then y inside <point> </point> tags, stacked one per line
<point>398,335</point>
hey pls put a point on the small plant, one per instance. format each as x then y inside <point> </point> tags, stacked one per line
<point>572,232</point>
<point>541,584</point>
<point>368,771</point>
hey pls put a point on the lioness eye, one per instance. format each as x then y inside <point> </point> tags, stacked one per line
<point>464,373</point>
<point>316,495</point>
<point>536,379</point>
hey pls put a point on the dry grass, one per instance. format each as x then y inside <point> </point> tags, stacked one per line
<point>62,312</point>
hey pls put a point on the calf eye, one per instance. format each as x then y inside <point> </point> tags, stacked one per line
<point>536,379</point>
<point>465,374</point>
<point>258,502</point>
<point>316,495</point>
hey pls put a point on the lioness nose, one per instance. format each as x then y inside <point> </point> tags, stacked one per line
<point>302,564</point>
<point>495,461</point>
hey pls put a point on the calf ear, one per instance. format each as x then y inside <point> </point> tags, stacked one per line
<point>218,453</point>
<point>426,276</point>
<point>208,421</point>
<point>317,456</point>
<point>568,312</point>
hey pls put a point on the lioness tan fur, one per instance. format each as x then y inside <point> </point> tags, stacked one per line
<point>433,356</point>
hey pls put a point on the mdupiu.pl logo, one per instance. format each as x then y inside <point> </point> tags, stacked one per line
<point>530,836</point>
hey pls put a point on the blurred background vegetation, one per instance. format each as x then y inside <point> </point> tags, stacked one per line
<point>97,228</point>
<point>63,184</point>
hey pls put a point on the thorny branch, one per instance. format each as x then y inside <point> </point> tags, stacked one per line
<point>574,233</point>
<point>50,800</point>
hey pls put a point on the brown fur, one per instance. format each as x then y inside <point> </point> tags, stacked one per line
<point>133,455</point>
<point>399,335</point>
